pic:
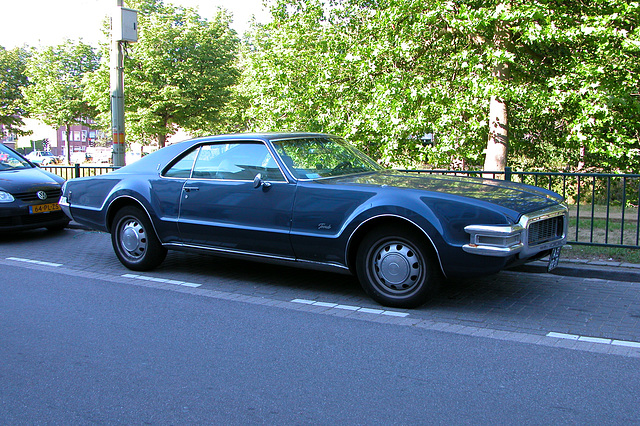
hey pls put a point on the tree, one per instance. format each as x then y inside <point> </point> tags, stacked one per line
<point>498,142</point>
<point>384,72</point>
<point>179,73</point>
<point>12,80</point>
<point>55,94</point>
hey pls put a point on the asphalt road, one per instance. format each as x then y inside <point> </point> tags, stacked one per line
<point>206,340</point>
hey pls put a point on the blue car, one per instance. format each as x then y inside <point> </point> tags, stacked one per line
<point>312,200</point>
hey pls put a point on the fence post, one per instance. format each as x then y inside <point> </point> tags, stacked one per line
<point>77,168</point>
<point>507,174</point>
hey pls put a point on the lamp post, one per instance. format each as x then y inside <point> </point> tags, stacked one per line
<point>124,28</point>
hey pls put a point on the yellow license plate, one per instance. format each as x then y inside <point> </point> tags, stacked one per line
<point>44,208</point>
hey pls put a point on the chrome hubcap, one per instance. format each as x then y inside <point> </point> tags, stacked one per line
<point>133,238</point>
<point>397,267</point>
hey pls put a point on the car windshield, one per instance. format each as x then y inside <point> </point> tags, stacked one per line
<point>321,157</point>
<point>9,160</point>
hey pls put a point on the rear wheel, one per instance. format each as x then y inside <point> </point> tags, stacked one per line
<point>135,241</point>
<point>396,268</point>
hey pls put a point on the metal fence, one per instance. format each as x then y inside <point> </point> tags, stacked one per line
<point>69,172</point>
<point>603,207</point>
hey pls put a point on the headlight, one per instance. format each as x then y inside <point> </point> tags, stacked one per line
<point>494,240</point>
<point>5,197</point>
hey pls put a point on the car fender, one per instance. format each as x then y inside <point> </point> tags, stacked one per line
<point>86,199</point>
<point>322,235</point>
<point>162,214</point>
<point>127,192</point>
<point>440,219</point>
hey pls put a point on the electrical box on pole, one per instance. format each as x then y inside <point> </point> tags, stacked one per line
<point>125,24</point>
<point>124,28</point>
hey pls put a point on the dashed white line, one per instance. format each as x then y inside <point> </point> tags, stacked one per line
<point>351,308</point>
<point>161,280</point>
<point>36,262</point>
<point>552,334</point>
<point>600,340</point>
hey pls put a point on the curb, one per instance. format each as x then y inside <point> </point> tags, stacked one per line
<point>600,270</point>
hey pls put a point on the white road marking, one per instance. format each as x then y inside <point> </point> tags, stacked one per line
<point>161,280</point>
<point>36,262</point>
<point>351,308</point>
<point>600,340</point>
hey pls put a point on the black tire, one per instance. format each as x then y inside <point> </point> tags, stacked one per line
<point>396,268</point>
<point>134,240</point>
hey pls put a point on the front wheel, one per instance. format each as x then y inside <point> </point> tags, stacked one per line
<point>135,241</point>
<point>396,268</point>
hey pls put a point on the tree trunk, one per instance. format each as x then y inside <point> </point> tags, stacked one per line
<point>68,144</point>
<point>583,151</point>
<point>498,142</point>
<point>496,153</point>
<point>162,138</point>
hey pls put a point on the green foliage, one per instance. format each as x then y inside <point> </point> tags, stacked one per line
<point>178,74</point>
<point>12,80</point>
<point>384,72</point>
<point>585,60</point>
<point>55,94</point>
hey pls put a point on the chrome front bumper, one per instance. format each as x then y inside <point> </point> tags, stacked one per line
<point>506,240</point>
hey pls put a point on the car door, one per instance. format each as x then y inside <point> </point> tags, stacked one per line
<point>167,193</point>
<point>222,207</point>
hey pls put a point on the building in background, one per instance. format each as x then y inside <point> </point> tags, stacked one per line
<point>7,139</point>
<point>42,138</point>
<point>81,137</point>
<point>47,138</point>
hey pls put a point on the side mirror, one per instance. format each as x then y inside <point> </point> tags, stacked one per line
<point>258,182</point>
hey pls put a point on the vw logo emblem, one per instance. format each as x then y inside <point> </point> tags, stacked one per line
<point>42,195</point>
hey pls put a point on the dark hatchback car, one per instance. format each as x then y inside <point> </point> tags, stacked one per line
<point>28,195</point>
<point>312,200</point>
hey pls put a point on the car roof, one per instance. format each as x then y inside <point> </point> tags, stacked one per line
<point>270,136</point>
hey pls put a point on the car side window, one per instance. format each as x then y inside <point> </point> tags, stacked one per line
<point>182,167</point>
<point>236,161</point>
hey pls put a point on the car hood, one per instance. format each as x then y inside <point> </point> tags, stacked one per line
<point>513,196</point>
<point>20,180</point>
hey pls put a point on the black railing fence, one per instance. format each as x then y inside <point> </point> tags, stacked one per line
<point>603,207</point>
<point>75,171</point>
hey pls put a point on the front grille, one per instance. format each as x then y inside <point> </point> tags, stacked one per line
<point>546,230</point>
<point>52,195</point>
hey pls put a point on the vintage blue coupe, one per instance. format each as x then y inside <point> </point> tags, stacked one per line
<point>312,200</point>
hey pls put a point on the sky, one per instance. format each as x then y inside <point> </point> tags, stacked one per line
<point>50,22</point>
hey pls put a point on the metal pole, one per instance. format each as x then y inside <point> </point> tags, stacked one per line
<point>117,97</point>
